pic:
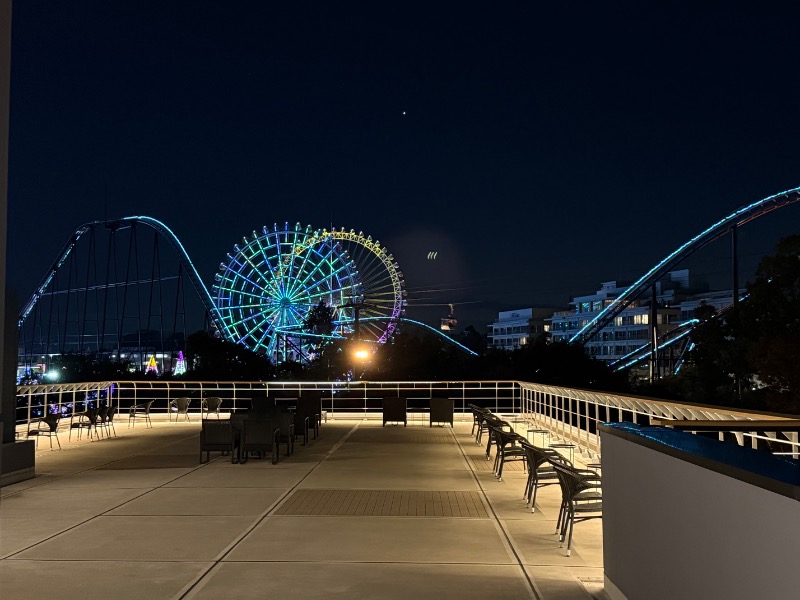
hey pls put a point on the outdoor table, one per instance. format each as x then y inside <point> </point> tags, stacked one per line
<point>545,433</point>
<point>570,447</point>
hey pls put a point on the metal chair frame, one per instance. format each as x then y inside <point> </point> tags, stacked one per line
<point>51,420</point>
<point>181,406</point>
<point>140,410</point>
<point>210,405</point>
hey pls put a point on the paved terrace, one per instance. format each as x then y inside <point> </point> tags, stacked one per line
<point>362,512</point>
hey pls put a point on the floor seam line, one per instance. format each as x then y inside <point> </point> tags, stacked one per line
<point>187,589</point>
<point>534,589</point>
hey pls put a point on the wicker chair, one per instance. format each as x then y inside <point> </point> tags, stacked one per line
<point>394,410</point>
<point>307,415</point>
<point>50,429</point>
<point>285,422</point>
<point>260,436</point>
<point>509,448</point>
<point>441,411</point>
<point>209,406</point>
<point>581,499</point>
<point>106,421</point>
<point>140,411</point>
<point>180,406</point>
<point>489,424</point>
<point>484,420</point>
<point>83,420</point>
<point>217,436</point>
<point>540,471</point>
<point>477,417</point>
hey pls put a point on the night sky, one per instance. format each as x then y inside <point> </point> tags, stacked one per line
<point>538,148</point>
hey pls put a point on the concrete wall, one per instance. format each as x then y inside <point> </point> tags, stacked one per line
<point>673,529</point>
<point>5,87</point>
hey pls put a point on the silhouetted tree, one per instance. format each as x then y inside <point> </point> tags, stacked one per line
<point>212,358</point>
<point>757,346</point>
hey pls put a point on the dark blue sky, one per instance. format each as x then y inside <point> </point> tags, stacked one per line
<point>539,149</point>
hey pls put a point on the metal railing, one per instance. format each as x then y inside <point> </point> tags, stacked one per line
<point>570,414</point>
<point>574,414</point>
<point>355,398</point>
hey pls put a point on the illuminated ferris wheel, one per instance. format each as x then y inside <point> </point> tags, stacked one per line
<point>265,290</point>
<point>373,313</point>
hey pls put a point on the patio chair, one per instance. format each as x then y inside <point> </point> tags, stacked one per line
<point>102,414</point>
<point>217,436</point>
<point>477,414</point>
<point>394,410</point>
<point>106,421</point>
<point>307,415</point>
<point>50,429</point>
<point>209,406</point>
<point>509,448</point>
<point>286,430</point>
<point>312,401</point>
<point>140,411</point>
<point>179,406</point>
<point>484,419</point>
<point>581,499</point>
<point>83,420</point>
<point>490,423</point>
<point>441,411</point>
<point>540,471</point>
<point>259,436</point>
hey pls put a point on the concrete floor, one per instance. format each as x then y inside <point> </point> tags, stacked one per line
<point>137,516</point>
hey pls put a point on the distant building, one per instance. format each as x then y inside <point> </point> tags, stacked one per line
<point>717,300</point>
<point>631,329</point>
<point>517,328</point>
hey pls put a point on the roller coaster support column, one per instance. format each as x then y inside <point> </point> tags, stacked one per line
<point>654,335</point>
<point>735,265</point>
<point>735,312</point>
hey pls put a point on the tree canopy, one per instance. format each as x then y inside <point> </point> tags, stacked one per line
<point>749,357</point>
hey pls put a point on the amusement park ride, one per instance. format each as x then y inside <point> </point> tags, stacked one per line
<point>113,292</point>
<point>449,322</point>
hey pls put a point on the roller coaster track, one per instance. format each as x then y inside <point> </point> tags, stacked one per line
<point>666,339</point>
<point>187,264</point>
<point>117,224</point>
<point>425,327</point>
<point>738,218</point>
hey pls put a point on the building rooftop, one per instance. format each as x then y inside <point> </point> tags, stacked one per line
<point>364,511</point>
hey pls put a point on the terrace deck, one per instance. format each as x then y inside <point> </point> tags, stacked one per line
<point>363,512</point>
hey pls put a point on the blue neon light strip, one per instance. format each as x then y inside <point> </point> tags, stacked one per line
<point>738,217</point>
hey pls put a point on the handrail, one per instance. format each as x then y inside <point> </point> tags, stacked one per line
<point>352,398</point>
<point>572,414</point>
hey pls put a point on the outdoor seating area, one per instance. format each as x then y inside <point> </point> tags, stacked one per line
<point>419,506</point>
<point>581,495</point>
